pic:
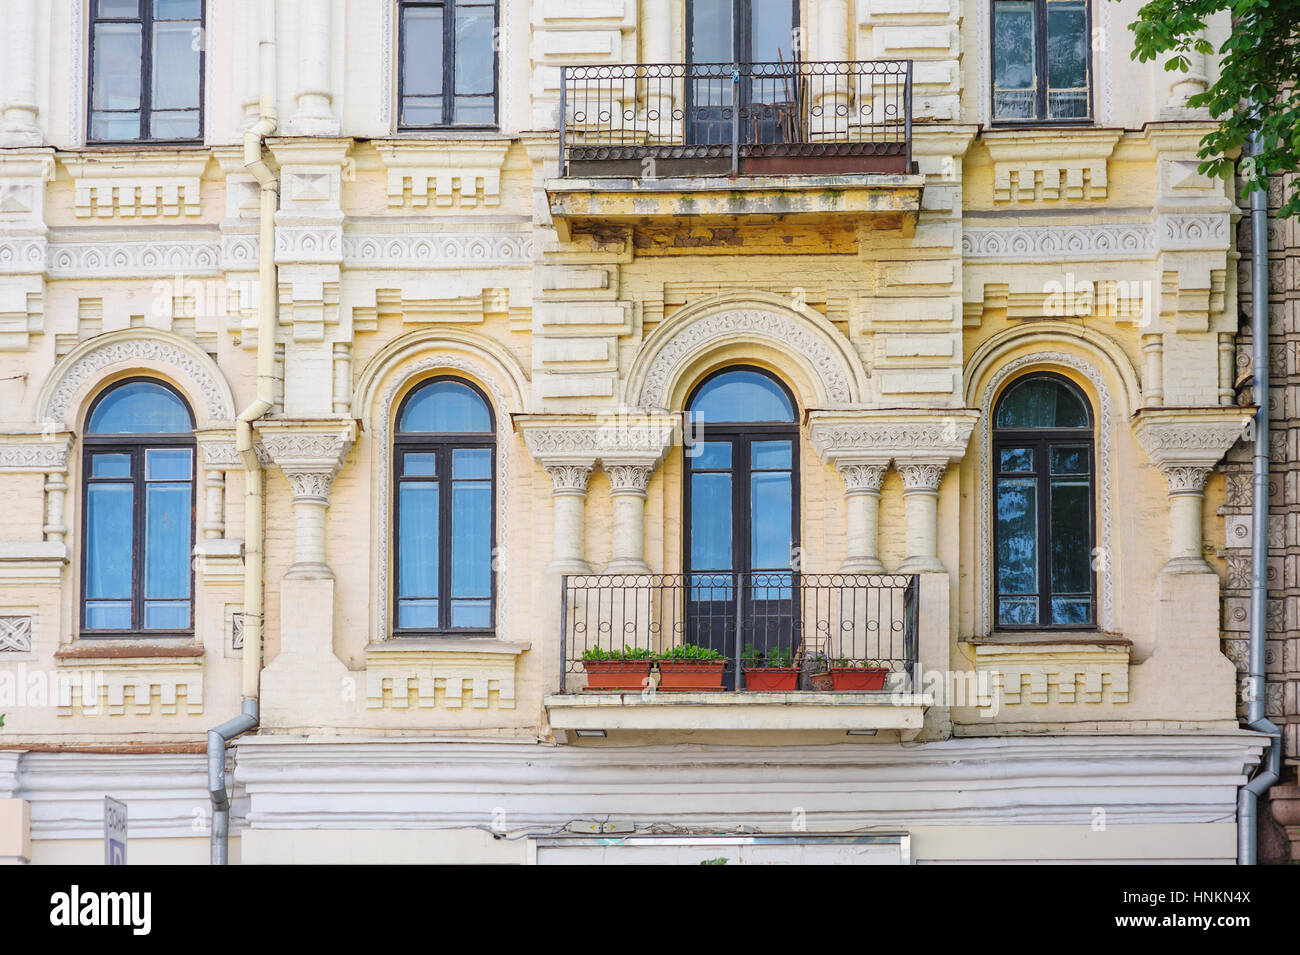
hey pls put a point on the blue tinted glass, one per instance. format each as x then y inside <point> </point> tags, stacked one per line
<point>711,521</point>
<point>471,463</point>
<point>140,407</point>
<point>417,562</point>
<point>471,539</point>
<point>109,538</point>
<point>172,464</point>
<point>108,615</point>
<point>770,455</point>
<point>167,541</point>
<point>471,613</point>
<point>445,406</point>
<point>1017,514</point>
<point>166,615</point>
<point>741,395</point>
<point>419,464</point>
<point>110,465</point>
<point>417,614</point>
<point>1041,403</point>
<point>770,515</point>
<point>710,455</point>
<point>1016,460</point>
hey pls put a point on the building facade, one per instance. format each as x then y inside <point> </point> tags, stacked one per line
<point>396,364</point>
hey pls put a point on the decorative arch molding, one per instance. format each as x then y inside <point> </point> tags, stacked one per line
<point>806,338</point>
<point>1105,437</point>
<point>501,365</point>
<point>1104,353</point>
<point>422,356</point>
<point>147,350</point>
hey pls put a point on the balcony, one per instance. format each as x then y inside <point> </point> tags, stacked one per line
<point>774,651</point>
<point>730,145</point>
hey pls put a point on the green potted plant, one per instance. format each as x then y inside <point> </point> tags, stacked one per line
<point>690,667</point>
<point>857,675</point>
<point>770,671</point>
<point>626,669</point>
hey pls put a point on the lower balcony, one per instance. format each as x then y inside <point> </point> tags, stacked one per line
<point>719,652</point>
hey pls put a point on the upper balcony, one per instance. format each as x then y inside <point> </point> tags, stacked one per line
<point>750,652</point>
<point>664,148</point>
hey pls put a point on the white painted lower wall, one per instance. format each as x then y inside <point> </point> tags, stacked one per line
<point>1166,798</point>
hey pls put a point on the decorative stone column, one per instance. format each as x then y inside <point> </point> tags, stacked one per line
<point>19,127</point>
<point>628,480</point>
<point>657,47</point>
<point>44,453</point>
<point>921,477</point>
<point>310,453</point>
<point>861,444</point>
<point>314,113</point>
<point>569,505</point>
<point>832,45</point>
<point>629,445</point>
<point>1186,444</point>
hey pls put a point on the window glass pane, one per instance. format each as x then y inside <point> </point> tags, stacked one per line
<point>712,31</point>
<point>475,59</point>
<point>177,9</point>
<point>1013,59</point>
<point>110,536</point>
<point>419,464</point>
<point>1041,403</point>
<point>1016,459</point>
<point>1067,104</point>
<point>471,539</point>
<point>115,127</point>
<point>710,521</point>
<point>176,124</point>
<point>167,541</point>
<point>417,614</point>
<point>108,615</point>
<point>1017,611</point>
<point>471,463</point>
<point>421,65</point>
<point>175,67</point>
<point>1017,514</point>
<point>1071,610</point>
<point>166,615</point>
<point>770,454</point>
<point>1070,459</point>
<point>1071,555</point>
<point>710,455</point>
<point>417,562</point>
<point>139,407</point>
<point>741,396</point>
<point>770,514</point>
<point>1067,49</point>
<point>110,465</point>
<point>118,8</point>
<point>117,67</point>
<point>445,406</point>
<point>771,31</point>
<point>474,111</point>
<point>471,613</point>
<point>172,464</point>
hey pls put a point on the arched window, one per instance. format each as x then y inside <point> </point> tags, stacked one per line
<point>741,502</point>
<point>445,528</point>
<point>138,531</point>
<point>1043,503</point>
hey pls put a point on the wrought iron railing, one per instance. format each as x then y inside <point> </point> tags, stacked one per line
<point>813,621</point>
<point>657,120</point>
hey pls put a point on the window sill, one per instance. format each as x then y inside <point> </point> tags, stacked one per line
<point>1043,638</point>
<point>126,648</point>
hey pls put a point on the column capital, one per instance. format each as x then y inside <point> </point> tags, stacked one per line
<point>1186,443</point>
<point>862,477</point>
<point>35,452</point>
<point>628,477</point>
<point>310,452</point>
<point>569,476</point>
<point>922,475</point>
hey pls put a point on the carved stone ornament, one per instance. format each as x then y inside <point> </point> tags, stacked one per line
<point>569,478</point>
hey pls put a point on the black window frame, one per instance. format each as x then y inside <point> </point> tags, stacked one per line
<point>1041,440</point>
<point>443,444</point>
<point>146,21</point>
<point>1040,117</point>
<point>136,445</point>
<point>448,67</point>
<point>742,33</point>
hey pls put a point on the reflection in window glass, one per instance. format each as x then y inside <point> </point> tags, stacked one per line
<point>448,63</point>
<point>1040,54</point>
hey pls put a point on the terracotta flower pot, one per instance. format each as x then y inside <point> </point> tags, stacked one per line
<point>616,674</point>
<point>858,678</point>
<point>821,681</point>
<point>762,679</point>
<point>691,674</point>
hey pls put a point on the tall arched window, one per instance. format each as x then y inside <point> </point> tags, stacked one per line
<point>742,511</point>
<point>445,528</point>
<point>138,531</point>
<point>1043,503</point>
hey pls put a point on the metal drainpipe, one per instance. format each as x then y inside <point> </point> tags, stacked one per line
<point>1256,684</point>
<point>254,524</point>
